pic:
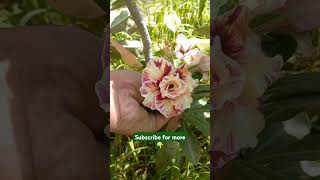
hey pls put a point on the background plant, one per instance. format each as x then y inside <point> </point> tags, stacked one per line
<point>291,105</point>
<point>165,20</point>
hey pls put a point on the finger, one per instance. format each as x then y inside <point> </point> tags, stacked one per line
<point>129,80</point>
<point>160,121</point>
<point>174,123</point>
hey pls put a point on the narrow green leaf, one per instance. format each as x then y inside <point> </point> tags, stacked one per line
<point>26,18</point>
<point>306,149</point>
<point>287,87</point>
<point>190,147</point>
<point>250,171</point>
<point>117,17</point>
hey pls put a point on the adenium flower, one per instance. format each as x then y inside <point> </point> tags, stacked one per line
<point>241,74</point>
<point>186,51</point>
<point>166,88</point>
<point>291,9</point>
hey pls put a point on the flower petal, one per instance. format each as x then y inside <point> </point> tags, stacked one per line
<point>183,102</point>
<point>167,107</point>
<point>183,44</point>
<point>186,76</point>
<point>193,57</point>
<point>236,126</point>
<point>149,90</point>
<point>229,78</point>
<point>312,168</point>
<point>219,158</point>
<point>261,70</point>
<point>233,31</point>
<point>156,69</point>
<point>172,86</point>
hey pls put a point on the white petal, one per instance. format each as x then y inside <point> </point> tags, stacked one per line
<point>312,168</point>
<point>236,126</point>
<point>298,126</point>
<point>261,70</point>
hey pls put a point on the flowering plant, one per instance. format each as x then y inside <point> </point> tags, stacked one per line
<point>258,121</point>
<point>166,88</point>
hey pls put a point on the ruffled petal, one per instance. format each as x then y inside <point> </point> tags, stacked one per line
<point>236,126</point>
<point>172,87</point>
<point>233,31</point>
<point>167,107</point>
<point>186,76</point>
<point>311,168</point>
<point>156,69</point>
<point>193,57</point>
<point>149,90</point>
<point>229,78</point>
<point>261,70</point>
<point>183,102</point>
<point>183,44</point>
<point>219,158</point>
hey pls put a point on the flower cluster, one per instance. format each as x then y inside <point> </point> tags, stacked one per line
<point>166,88</point>
<point>241,74</point>
<point>186,50</point>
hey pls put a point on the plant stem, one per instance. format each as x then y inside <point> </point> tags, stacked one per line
<point>142,27</point>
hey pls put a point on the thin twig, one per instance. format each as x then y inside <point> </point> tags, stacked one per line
<point>142,27</point>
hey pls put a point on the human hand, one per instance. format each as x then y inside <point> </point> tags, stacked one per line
<point>49,112</point>
<point>127,114</point>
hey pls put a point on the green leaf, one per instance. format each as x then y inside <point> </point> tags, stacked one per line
<point>78,8</point>
<point>306,149</point>
<point>274,137</point>
<point>26,18</point>
<point>117,4</point>
<point>103,4</point>
<point>196,117</point>
<point>200,92</point>
<point>288,167</point>
<point>222,6</point>
<point>250,171</point>
<point>202,5</point>
<point>284,99</point>
<point>166,154</point>
<point>190,147</point>
<point>117,17</point>
<point>287,86</point>
<point>202,31</point>
<point>264,22</point>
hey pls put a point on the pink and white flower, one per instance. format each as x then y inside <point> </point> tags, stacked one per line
<point>241,74</point>
<point>166,88</point>
<point>186,51</point>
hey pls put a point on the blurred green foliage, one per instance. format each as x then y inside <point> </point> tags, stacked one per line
<point>39,12</point>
